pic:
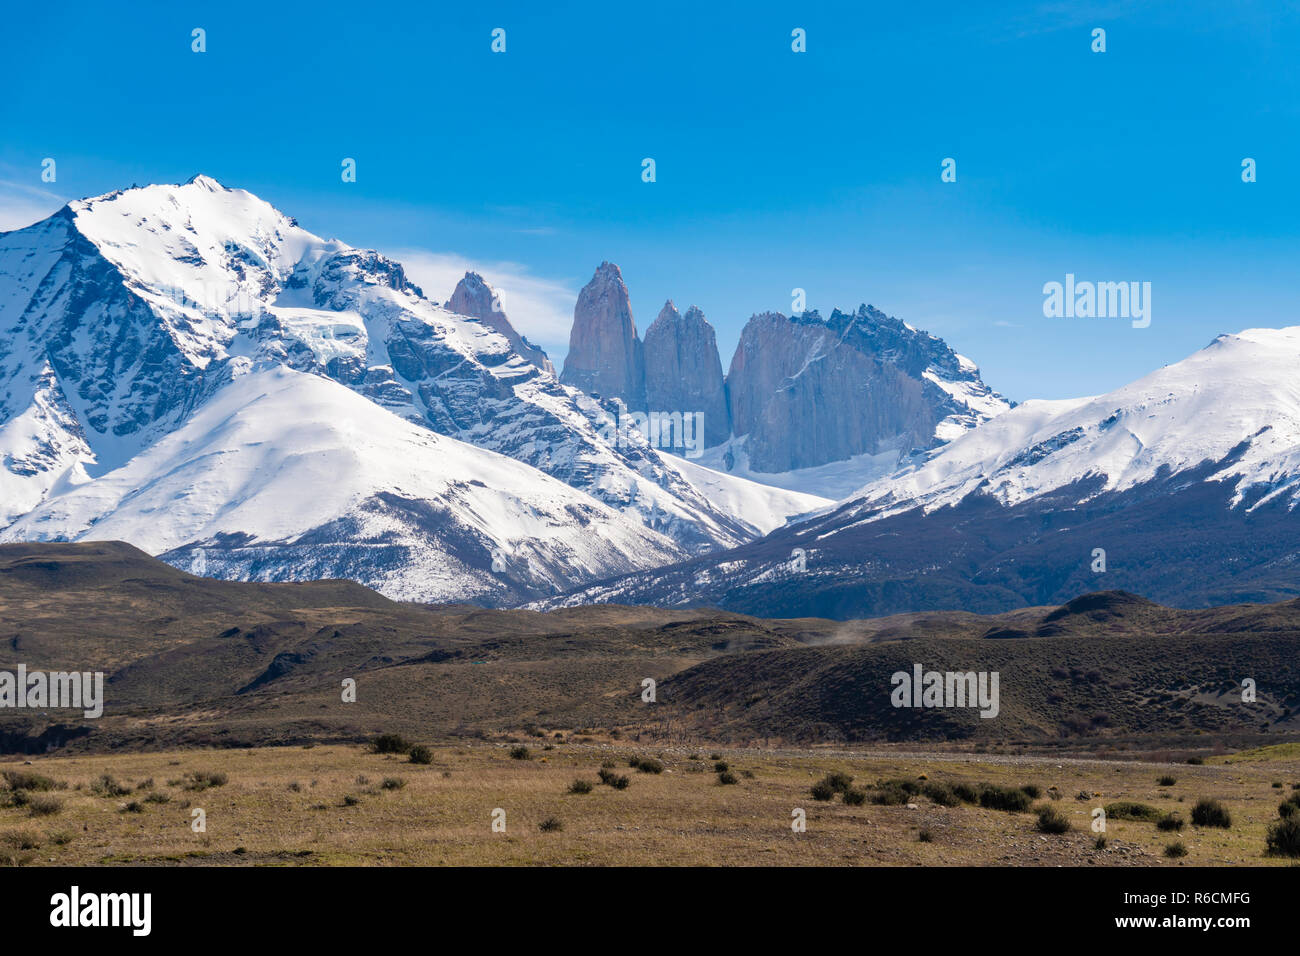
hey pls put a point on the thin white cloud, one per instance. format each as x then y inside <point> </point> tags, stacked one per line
<point>540,309</point>
<point>22,205</point>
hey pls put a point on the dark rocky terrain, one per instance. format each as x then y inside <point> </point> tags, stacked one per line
<point>193,661</point>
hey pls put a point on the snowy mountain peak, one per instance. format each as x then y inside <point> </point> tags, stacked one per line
<point>1234,407</point>
<point>475,298</point>
<point>207,182</point>
<point>124,317</point>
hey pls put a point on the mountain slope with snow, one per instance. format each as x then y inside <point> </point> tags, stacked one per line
<point>764,506</point>
<point>123,316</point>
<point>120,314</point>
<point>1181,486</point>
<point>285,475</point>
<point>1236,402</point>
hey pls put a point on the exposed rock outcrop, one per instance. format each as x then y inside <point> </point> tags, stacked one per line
<point>804,391</point>
<point>683,372</point>
<point>475,298</point>
<point>605,356</point>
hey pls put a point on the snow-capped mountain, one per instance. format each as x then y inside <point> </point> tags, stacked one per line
<point>284,475</point>
<point>1181,486</point>
<point>125,319</point>
<point>1235,404</point>
<point>811,404</point>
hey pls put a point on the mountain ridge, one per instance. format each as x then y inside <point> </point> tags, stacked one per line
<point>123,315</point>
<point>1181,486</point>
<point>859,389</point>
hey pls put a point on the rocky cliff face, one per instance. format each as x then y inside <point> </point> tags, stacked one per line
<point>683,372</point>
<point>805,391</point>
<point>475,298</point>
<point>802,392</point>
<point>605,355</point>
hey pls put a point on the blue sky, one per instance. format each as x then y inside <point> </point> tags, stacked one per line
<point>775,170</point>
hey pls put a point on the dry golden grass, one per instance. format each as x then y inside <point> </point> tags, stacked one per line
<point>443,812</point>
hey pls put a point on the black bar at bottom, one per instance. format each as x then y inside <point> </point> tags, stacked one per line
<point>329,906</point>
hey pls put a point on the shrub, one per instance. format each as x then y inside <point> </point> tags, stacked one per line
<point>839,782</point>
<point>1211,813</point>
<point>158,797</point>
<point>726,778</point>
<point>390,744</point>
<point>392,783</point>
<point>993,797</point>
<point>855,797</point>
<point>23,780</point>
<point>925,836</point>
<point>1170,821</point>
<point>943,794</point>
<point>1176,849</point>
<point>1288,808</point>
<point>135,806</point>
<point>1052,820</point>
<point>721,766</point>
<point>1032,790</point>
<point>890,796</point>
<point>1099,843</point>
<point>200,780</point>
<point>1283,837</point>
<point>581,786</point>
<point>650,766</point>
<point>966,792</point>
<point>420,754</point>
<point>906,784</point>
<point>351,800</point>
<point>821,790</point>
<point>44,805</point>
<point>1195,761</point>
<point>634,762</point>
<point>1167,781</point>
<point>23,840</point>
<point>611,779</point>
<point>520,753</point>
<point>1130,810</point>
<point>107,786</point>
<point>550,825</point>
